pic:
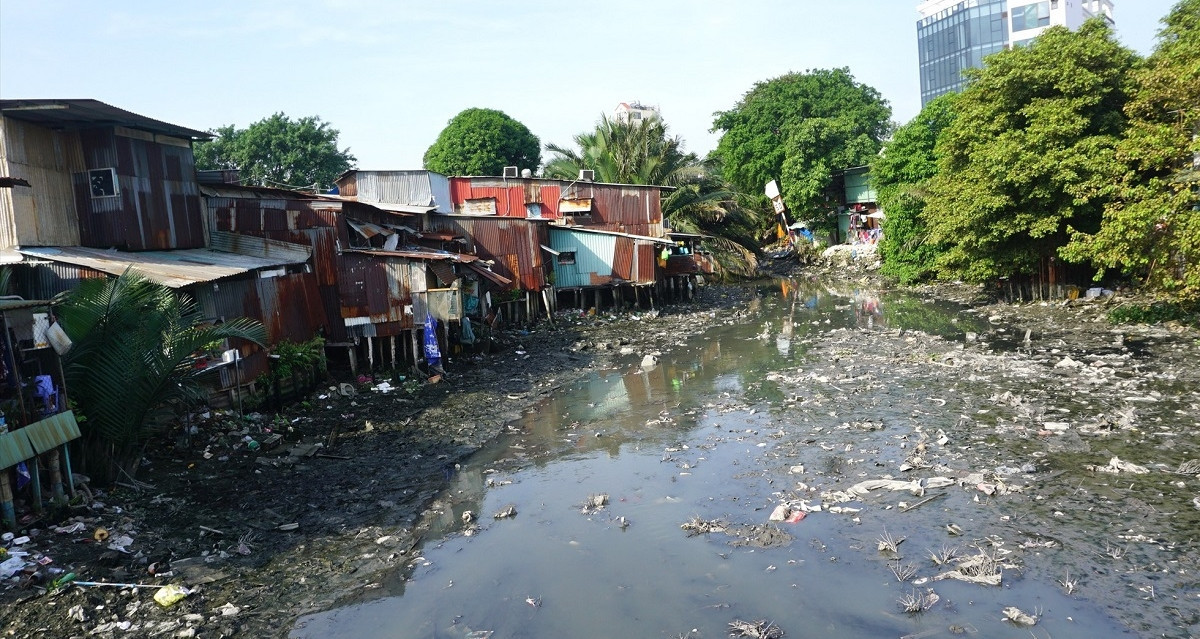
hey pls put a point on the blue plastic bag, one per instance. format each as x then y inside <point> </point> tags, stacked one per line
<point>433,354</point>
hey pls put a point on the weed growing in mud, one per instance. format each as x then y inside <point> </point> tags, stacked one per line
<point>903,572</point>
<point>1069,585</point>
<point>915,602</point>
<point>945,555</point>
<point>888,543</point>
<point>755,629</point>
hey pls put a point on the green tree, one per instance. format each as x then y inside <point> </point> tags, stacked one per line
<point>483,142</point>
<point>644,152</point>
<point>278,152</point>
<point>1151,229</point>
<point>131,361</point>
<point>901,174</point>
<point>1030,152</point>
<point>801,129</point>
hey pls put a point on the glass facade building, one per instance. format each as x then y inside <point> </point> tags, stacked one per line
<point>955,35</point>
<point>958,38</point>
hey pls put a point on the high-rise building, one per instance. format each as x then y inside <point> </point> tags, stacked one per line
<point>953,35</point>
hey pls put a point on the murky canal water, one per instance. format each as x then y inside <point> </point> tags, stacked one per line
<point>808,393</point>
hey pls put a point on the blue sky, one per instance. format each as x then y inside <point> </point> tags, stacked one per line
<point>389,74</point>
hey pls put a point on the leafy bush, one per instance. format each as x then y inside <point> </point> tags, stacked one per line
<point>1183,311</point>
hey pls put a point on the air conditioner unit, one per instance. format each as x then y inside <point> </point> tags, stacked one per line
<point>510,172</point>
<point>587,175</point>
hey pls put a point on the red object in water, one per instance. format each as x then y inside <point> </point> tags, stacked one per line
<point>797,516</point>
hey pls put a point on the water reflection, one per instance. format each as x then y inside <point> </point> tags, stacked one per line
<point>667,443</point>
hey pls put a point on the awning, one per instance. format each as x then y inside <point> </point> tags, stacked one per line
<point>549,250</point>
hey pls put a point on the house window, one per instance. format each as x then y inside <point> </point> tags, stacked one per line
<point>533,211</point>
<point>1031,16</point>
<point>566,258</point>
<point>103,183</point>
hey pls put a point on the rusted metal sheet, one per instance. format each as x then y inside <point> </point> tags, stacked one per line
<point>646,272</point>
<point>43,279</point>
<point>46,434</point>
<point>150,210</point>
<point>622,264</point>
<point>376,289</point>
<point>229,299</point>
<point>259,247</point>
<point>511,196</point>
<point>43,214</point>
<point>513,244</point>
<point>292,307</point>
<point>681,265</point>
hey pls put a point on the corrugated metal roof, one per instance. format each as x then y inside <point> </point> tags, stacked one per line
<point>14,449</point>
<point>53,431</point>
<point>84,114</point>
<point>175,269</point>
<point>261,247</point>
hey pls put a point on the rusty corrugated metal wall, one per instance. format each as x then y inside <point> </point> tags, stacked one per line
<point>158,205</point>
<point>314,300</point>
<point>44,280</point>
<point>646,266</point>
<point>514,245</point>
<point>632,209</point>
<point>43,213</point>
<point>622,266</point>
<point>379,289</point>
<point>511,195</point>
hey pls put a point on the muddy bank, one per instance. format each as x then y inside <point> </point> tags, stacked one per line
<point>268,518</point>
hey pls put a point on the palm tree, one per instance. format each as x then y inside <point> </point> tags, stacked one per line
<point>132,361</point>
<point>623,152</point>
<point>643,152</point>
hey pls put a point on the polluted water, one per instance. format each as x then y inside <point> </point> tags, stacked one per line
<point>825,462</point>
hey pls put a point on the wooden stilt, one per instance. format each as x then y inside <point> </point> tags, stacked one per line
<point>7,512</point>
<point>549,311</point>
<point>56,478</point>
